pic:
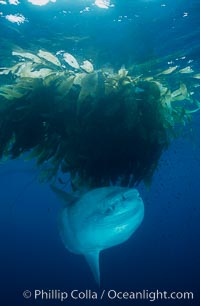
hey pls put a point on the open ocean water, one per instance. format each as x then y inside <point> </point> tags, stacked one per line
<point>164,253</point>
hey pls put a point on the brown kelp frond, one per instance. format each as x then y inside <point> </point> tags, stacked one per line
<point>101,125</point>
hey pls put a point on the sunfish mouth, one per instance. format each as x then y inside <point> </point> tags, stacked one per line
<point>125,205</point>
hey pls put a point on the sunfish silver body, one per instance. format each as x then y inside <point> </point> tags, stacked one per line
<point>101,218</point>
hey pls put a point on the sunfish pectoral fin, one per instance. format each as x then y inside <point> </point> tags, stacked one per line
<point>93,261</point>
<point>65,197</point>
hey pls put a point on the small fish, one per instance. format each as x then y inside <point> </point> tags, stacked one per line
<point>49,57</point>
<point>70,60</point>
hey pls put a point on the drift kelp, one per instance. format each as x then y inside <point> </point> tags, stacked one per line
<point>100,125</point>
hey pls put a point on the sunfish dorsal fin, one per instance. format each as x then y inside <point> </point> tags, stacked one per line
<point>66,198</point>
<point>93,261</point>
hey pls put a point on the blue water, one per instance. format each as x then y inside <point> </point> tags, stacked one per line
<point>164,253</point>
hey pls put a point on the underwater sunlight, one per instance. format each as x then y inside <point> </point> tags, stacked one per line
<point>102,99</point>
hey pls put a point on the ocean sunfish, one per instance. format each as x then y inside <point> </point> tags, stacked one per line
<point>101,218</point>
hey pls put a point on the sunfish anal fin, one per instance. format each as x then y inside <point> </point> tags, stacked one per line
<point>92,259</point>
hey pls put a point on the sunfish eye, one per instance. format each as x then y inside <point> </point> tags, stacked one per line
<point>109,210</point>
<point>124,197</point>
